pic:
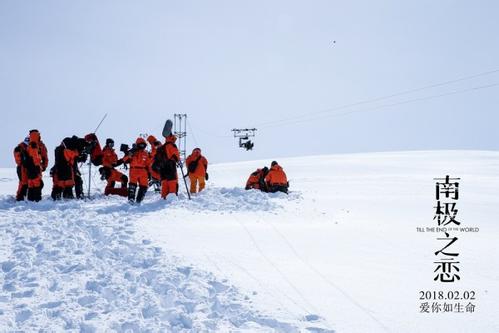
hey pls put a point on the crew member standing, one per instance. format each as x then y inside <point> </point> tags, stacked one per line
<point>139,171</point>
<point>35,162</point>
<point>63,177</point>
<point>20,156</point>
<point>197,166</point>
<point>165,163</point>
<point>155,176</point>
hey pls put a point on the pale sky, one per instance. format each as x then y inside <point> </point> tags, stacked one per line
<point>63,64</point>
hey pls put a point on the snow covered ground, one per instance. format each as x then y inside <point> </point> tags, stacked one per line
<point>341,252</point>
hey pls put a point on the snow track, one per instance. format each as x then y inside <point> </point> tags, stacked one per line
<point>69,266</point>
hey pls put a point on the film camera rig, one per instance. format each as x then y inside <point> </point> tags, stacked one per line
<point>244,135</point>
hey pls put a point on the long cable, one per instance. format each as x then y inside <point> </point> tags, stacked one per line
<point>329,282</point>
<point>377,99</point>
<point>291,122</point>
<point>192,132</point>
<point>278,270</point>
<point>217,136</point>
<point>262,285</point>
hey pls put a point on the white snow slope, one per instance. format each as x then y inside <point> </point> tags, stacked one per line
<point>341,252</point>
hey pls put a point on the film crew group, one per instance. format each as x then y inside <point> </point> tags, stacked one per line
<point>269,180</point>
<point>159,166</point>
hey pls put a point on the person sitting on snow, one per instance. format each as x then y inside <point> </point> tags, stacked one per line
<point>276,179</point>
<point>257,180</point>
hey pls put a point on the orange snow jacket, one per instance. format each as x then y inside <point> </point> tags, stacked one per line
<point>109,157</point>
<point>276,176</point>
<point>254,180</point>
<point>138,160</point>
<point>202,163</point>
<point>19,151</point>
<point>34,136</point>
<point>70,156</point>
<point>171,149</point>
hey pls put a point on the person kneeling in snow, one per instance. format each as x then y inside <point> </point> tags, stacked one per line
<point>257,180</point>
<point>276,179</point>
<point>109,173</point>
<point>197,165</point>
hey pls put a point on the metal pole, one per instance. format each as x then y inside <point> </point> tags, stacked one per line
<point>89,176</point>
<point>185,140</point>
<point>102,120</point>
<point>180,164</point>
<point>90,160</point>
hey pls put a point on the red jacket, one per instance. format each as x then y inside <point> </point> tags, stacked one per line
<point>109,157</point>
<point>276,176</point>
<point>138,160</point>
<point>255,180</point>
<point>202,164</point>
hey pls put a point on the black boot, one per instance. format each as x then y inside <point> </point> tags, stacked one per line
<point>56,193</point>
<point>79,187</point>
<point>131,192</point>
<point>67,193</point>
<point>38,193</point>
<point>124,181</point>
<point>31,194</point>
<point>141,194</point>
<point>35,194</point>
<point>22,193</point>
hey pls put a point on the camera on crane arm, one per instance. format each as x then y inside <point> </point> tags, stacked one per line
<point>244,135</point>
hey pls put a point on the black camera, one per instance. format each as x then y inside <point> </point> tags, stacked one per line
<point>248,145</point>
<point>127,150</point>
<point>124,148</point>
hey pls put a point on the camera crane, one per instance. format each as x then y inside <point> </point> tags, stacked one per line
<point>243,134</point>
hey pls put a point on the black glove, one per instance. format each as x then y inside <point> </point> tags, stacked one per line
<point>206,176</point>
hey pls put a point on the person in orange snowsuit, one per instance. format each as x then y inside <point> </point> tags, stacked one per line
<point>19,157</point>
<point>155,176</point>
<point>63,171</point>
<point>165,163</point>
<point>197,167</point>
<point>35,163</point>
<point>108,172</point>
<point>139,161</point>
<point>276,179</point>
<point>257,180</point>
<point>42,148</point>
